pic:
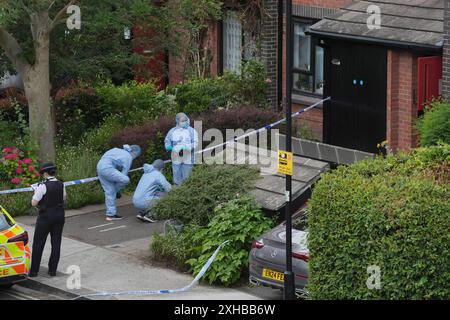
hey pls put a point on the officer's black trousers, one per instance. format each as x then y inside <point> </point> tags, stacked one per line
<point>47,223</point>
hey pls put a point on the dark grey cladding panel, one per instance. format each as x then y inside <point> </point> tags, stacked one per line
<point>310,149</point>
<point>363,155</point>
<point>346,156</point>
<point>328,152</point>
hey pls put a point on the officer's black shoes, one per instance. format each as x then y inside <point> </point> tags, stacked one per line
<point>113,218</point>
<point>118,195</point>
<point>32,275</point>
<point>52,273</point>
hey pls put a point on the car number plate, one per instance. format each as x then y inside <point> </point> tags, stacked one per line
<point>274,275</point>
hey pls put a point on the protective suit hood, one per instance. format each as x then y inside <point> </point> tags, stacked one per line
<point>180,116</point>
<point>148,168</point>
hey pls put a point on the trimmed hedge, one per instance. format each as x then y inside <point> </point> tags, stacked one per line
<point>392,213</point>
<point>434,127</point>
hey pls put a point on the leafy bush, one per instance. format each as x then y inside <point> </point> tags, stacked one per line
<point>8,133</point>
<point>132,96</point>
<point>174,249</point>
<point>249,87</point>
<point>18,168</point>
<point>199,95</point>
<point>149,136</point>
<point>392,213</point>
<point>209,186</point>
<point>77,110</point>
<point>239,221</point>
<point>206,94</point>
<point>10,99</point>
<point>434,127</point>
<point>239,118</point>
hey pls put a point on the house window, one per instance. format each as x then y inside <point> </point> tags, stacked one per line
<point>308,61</point>
<point>232,42</point>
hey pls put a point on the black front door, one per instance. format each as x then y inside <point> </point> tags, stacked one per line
<point>355,78</point>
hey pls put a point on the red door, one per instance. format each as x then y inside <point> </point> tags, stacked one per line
<point>429,79</point>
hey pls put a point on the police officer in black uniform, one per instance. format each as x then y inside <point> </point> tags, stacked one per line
<point>49,197</point>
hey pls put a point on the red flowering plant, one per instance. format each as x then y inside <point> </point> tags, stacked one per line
<point>18,168</point>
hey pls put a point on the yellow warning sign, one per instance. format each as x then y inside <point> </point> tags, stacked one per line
<point>285,162</point>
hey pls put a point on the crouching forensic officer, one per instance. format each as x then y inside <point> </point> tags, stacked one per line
<point>49,197</point>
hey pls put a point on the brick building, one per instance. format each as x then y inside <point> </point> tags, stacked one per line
<point>378,78</point>
<point>379,75</point>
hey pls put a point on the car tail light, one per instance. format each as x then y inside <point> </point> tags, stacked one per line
<point>301,256</point>
<point>20,238</point>
<point>257,244</point>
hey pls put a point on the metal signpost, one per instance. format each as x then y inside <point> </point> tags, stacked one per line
<point>289,285</point>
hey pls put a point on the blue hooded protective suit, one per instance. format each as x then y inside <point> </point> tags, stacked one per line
<point>182,137</point>
<point>150,187</point>
<point>112,170</point>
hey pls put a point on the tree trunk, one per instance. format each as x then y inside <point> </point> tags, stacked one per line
<point>36,80</point>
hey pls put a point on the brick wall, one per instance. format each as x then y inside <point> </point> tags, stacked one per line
<point>446,58</point>
<point>401,111</point>
<point>269,47</point>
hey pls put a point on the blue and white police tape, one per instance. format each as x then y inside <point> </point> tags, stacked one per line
<point>267,127</point>
<point>159,292</point>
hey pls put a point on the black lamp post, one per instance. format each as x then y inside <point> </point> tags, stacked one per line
<point>289,283</point>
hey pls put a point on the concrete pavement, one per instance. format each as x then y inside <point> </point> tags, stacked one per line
<point>115,257</point>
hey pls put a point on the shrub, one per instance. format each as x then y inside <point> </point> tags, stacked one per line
<point>105,136</point>
<point>194,201</point>
<point>77,110</point>
<point>10,99</point>
<point>149,136</point>
<point>434,127</point>
<point>239,118</point>
<point>200,95</point>
<point>8,133</point>
<point>239,221</point>
<point>18,167</point>
<point>249,87</point>
<point>392,213</point>
<point>133,96</point>
<point>206,94</point>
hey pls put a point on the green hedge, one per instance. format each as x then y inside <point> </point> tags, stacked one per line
<point>434,126</point>
<point>392,213</point>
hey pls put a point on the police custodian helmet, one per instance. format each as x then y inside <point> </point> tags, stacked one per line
<point>48,167</point>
